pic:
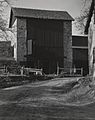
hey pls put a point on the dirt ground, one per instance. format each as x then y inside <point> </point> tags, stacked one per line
<point>48,100</point>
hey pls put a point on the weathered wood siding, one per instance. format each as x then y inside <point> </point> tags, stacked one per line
<point>47,33</point>
<point>47,37</point>
<point>80,53</point>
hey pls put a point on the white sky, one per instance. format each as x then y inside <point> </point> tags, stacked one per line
<point>73,7</point>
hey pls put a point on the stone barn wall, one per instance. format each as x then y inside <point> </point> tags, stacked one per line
<point>67,37</point>
<point>21,39</point>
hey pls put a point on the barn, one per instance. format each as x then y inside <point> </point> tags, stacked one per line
<point>44,38</point>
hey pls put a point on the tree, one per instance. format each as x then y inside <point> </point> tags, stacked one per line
<point>80,21</point>
<point>5,32</point>
<point>3,22</point>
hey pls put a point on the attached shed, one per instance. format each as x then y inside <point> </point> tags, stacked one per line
<point>44,38</point>
<point>80,53</point>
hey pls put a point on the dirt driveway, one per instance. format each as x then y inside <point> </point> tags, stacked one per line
<point>39,101</point>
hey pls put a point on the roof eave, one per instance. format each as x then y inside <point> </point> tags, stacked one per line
<point>14,15</point>
<point>17,14</point>
<point>12,18</point>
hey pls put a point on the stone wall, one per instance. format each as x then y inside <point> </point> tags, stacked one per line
<point>67,37</point>
<point>21,39</point>
<point>6,49</point>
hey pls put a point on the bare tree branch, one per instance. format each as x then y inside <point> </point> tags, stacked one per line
<point>5,32</point>
<point>81,20</point>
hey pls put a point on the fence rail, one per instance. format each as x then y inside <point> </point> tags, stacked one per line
<point>22,71</point>
<point>19,70</point>
<point>70,71</point>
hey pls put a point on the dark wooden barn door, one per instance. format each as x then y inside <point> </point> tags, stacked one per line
<point>47,43</point>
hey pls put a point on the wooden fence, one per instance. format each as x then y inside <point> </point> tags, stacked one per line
<point>70,71</point>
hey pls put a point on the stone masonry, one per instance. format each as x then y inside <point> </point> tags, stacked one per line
<point>21,39</point>
<point>5,49</point>
<point>67,37</point>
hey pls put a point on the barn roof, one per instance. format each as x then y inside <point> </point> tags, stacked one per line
<point>40,14</point>
<point>89,16</point>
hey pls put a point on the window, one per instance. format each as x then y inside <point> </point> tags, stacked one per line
<point>29,47</point>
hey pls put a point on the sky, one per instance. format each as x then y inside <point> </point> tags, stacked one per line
<point>73,7</point>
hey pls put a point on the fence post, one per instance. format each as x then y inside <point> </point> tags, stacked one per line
<point>22,70</point>
<point>57,69</point>
<point>82,71</point>
<point>74,69</point>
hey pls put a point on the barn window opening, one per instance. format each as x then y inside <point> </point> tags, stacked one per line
<point>29,50</point>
